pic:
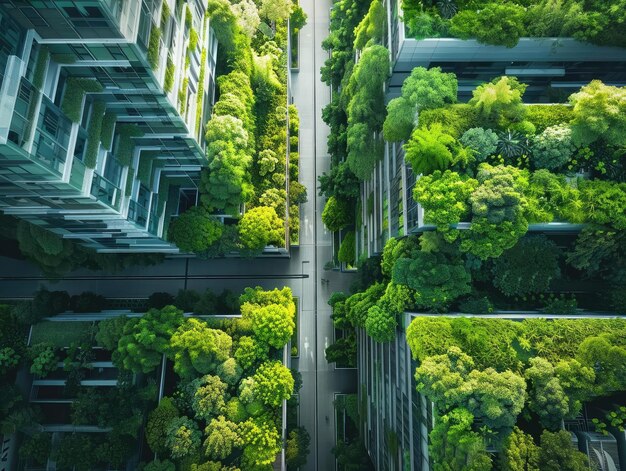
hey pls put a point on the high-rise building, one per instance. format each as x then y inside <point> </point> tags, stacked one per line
<point>553,68</point>
<point>102,104</point>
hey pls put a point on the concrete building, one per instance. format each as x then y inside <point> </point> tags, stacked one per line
<point>553,68</point>
<point>102,103</point>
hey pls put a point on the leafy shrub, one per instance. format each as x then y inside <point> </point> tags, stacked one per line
<point>599,113</point>
<point>528,267</point>
<point>456,119</point>
<point>561,305</point>
<point>423,89</point>
<point>604,202</point>
<point>87,302</point>
<point>545,116</point>
<point>437,279</point>
<point>106,129</point>
<point>482,141</point>
<point>500,101</point>
<point>94,131</point>
<point>195,230</point>
<point>347,249</point>
<point>432,149</point>
<point>380,325</point>
<point>476,306</point>
<point>445,199</point>
<point>154,47</point>
<point>553,148</point>
<point>500,24</point>
<point>170,70</point>
<point>260,227</point>
<point>75,89</point>
<point>337,214</point>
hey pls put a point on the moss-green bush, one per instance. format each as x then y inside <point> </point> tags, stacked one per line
<point>169,76</point>
<point>154,47</point>
<point>94,134</point>
<point>40,67</point>
<point>347,249</point>
<point>75,89</point>
<point>126,145</point>
<point>544,116</point>
<point>108,126</point>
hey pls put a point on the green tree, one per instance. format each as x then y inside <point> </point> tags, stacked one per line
<point>158,421</point>
<point>500,101</point>
<point>44,360</point>
<point>528,267</point>
<point>498,211</point>
<point>76,451</point>
<point>454,446</point>
<point>437,279</point>
<point>340,183</point>
<point>272,324</point>
<point>225,182</point>
<point>9,359</point>
<point>380,325</point>
<point>553,148</point>
<point>519,452</point>
<point>182,437</point>
<point>422,90</point>
<point>36,448</point>
<point>297,447</point>
<point>547,397</point>
<point>276,10</point>
<point>482,141</point>
<point>343,351</point>
<point>209,396</point>
<point>158,465</point>
<point>366,110</point>
<point>196,348</point>
<point>194,230</point>
<point>222,437</point>
<point>273,383</point>
<point>604,202</point>
<point>347,249</point>
<point>599,113</point>
<point>432,148</point>
<point>338,214</point>
<point>110,331</point>
<point>250,351</point>
<point>260,227</point>
<point>500,24</point>
<point>370,30</point>
<point>229,371</point>
<point>145,339</point>
<point>445,199</point>
<point>557,453</point>
<point>607,361</point>
<point>261,442</point>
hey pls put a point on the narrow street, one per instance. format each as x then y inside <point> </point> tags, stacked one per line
<point>303,272</point>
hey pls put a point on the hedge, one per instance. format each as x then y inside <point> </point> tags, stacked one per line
<point>169,76</point>
<point>75,90</point>
<point>200,94</point>
<point>544,116</point>
<point>94,133</point>
<point>127,144</point>
<point>108,126</point>
<point>40,67</point>
<point>154,47</point>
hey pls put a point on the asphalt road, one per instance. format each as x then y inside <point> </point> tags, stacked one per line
<point>303,272</point>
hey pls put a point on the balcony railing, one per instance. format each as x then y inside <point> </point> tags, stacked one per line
<point>138,213</point>
<point>105,191</point>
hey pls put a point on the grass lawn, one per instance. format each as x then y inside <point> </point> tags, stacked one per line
<point>61,334</point>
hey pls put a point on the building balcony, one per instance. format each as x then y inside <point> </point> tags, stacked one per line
<point>105,191</point>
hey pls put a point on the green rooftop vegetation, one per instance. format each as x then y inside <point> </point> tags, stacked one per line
<point>503,23</point>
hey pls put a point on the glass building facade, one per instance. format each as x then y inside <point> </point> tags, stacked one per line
<point>145,73</point>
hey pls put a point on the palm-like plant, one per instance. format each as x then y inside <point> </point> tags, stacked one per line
<point>430,149</point>
<point>512,144</point>
<point>447,8</point>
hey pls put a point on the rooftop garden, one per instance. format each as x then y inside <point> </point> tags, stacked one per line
<point>504,23</point>
<point>502,389</point>
<point>224,384</point>
<point>248,177</point>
